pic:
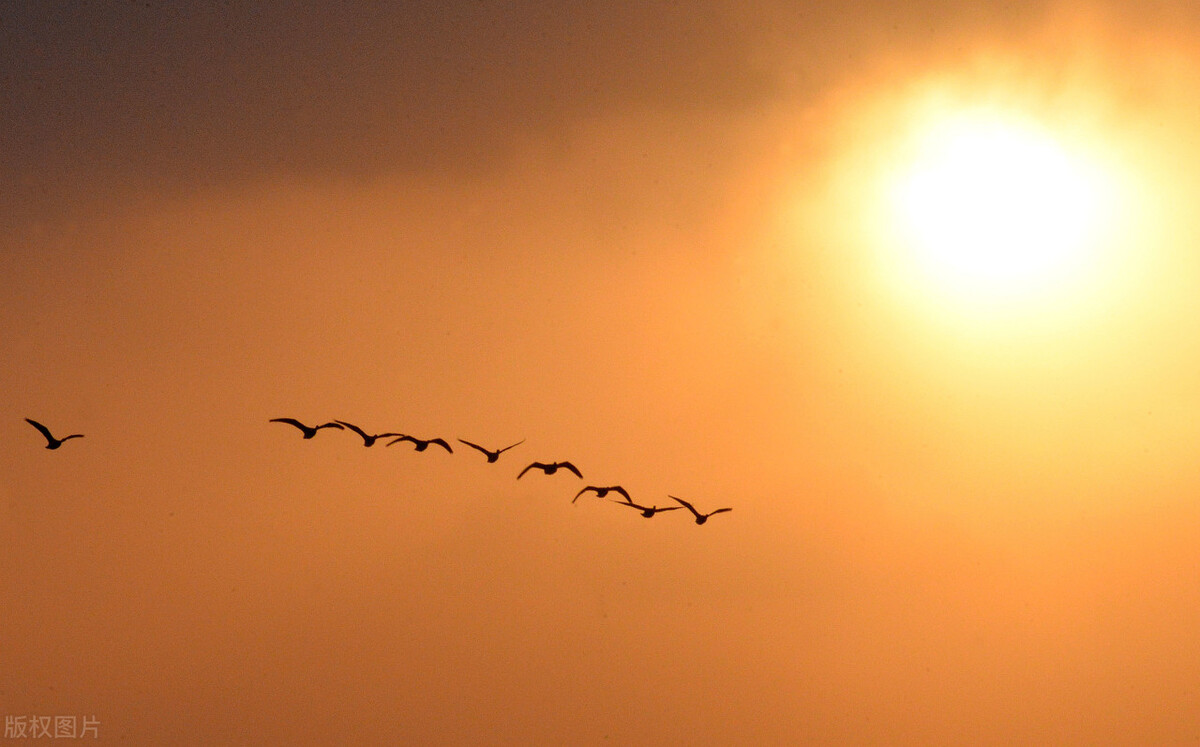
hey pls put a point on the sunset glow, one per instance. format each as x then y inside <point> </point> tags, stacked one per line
<point>996,208</point>
<point>591,373</point>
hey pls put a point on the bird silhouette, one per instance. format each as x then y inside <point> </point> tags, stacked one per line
<point>551,468</point>
<point>368,440</point>
<point>700,518</point>
<point>308,431</point>
<point>491,455</point>
<point>51,441</point>
<point>422,445</point>
<point>601,492</point>
<point>647,511</point>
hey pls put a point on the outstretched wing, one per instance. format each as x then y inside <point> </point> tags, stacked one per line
<point>572,468</point>
<point>475,446</point>
<point>297,423</point>
<point>328,425</point>
<point>589,487</point>
<point>402,438</point>
<point>719,511</point>
<point>658,510</point>
<point>622,491</point>
<point>685,504</point>
<point>506,448</point>
<point>631,504</point>
<point>354,428</point>
<point>441,442</point>
<point>535,465</point>
<point>44,430</point>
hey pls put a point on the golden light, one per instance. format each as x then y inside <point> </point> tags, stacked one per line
<point>983,206</point>
<point>992,209</point>
<point>1007,257</point>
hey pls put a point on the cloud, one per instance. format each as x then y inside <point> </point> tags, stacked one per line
<point>144,94</point>
<point>147,97</point>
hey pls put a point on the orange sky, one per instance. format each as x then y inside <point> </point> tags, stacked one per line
<point>644,241</point>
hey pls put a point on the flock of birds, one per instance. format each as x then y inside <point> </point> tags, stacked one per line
<point>492,455</point>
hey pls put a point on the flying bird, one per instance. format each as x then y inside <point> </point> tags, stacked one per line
<point>551,468</point>
<point>700,518</point>
<point>647,511</point>
<point>308,431</point>
<point>422,445</point>
<point>601,492</point>
<point>51,441</point>
<point>368,440</point>
<point>491,455</point>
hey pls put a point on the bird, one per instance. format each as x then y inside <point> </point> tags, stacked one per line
<point>551,468</point>
<point>422,445</point>
<point>601,492</point>
<point>700,518</point>
<point>647,511</point>
<point>308,431</point>
<point>367,439</point>
<point>491,455</point>
<point>51,441</point>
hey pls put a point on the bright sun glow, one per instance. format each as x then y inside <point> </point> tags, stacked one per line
<point>995,208</point>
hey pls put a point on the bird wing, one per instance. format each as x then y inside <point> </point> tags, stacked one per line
<point>666,508</point>
<point>475,446</point>
<point>292,421</point>
<point>622,491</point>
<point>44,430</point>
<point>720,511</point>
<point>441,442</point>
<point>631,504</point>
<point>506,448</point>
<point>328,425</point>
<point>353,427</point>
<point>571,467</point>
<point>685,504</point>
<point>398,440</point>
<point>538,465</point>
<point>589,487</point>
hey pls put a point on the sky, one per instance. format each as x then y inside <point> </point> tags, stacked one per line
<point>645,238</point>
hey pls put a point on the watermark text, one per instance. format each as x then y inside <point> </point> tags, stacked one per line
<point>34,726</point>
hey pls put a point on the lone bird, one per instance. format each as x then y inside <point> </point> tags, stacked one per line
<point>51,441</point>
<point>551,468</point>
<point>422,445</point>
<point>308,431</point>
<point>700,518</point>
<point>647,511</point>
<point>491,455</point>
<point>601,492</point>
<point>368,440</point>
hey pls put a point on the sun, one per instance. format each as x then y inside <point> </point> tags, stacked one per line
<point>992,208</point>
